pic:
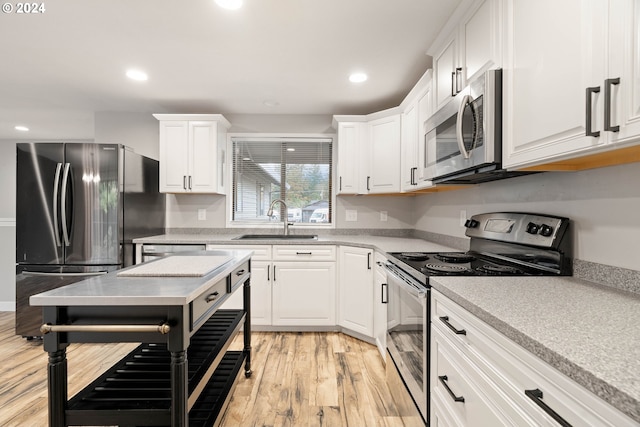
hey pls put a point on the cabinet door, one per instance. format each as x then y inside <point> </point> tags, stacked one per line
<point>444,66</point>
<point>355,304</point>
<point>480,40</point>
<point>545,80</point>
<point>203,160</point>
<point>380,299</point>
<point>349,137</point>
<point>304,293</point>
<point>409,147</point>
<point>624,63</point>
<point>384,151</point>
<point>174,156</point>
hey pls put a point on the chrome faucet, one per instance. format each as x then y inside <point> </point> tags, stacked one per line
<point>286,219</point>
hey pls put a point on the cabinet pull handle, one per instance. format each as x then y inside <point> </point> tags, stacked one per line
<point>458,80</point>
<point>274,273</point>
<point>589,111</point>
<point>443,379</point>
<point>304,253</point>
<point>190,182</point>
<point>240,272</point>
<point>368,179</point>
<point>453,83</point>
<point>413,176</point>
<point>212,297</point>
<point>536,396</point>
<point>382,294</point>
<point>607,104</point>
<point>184,181</point>
<point>340,183</point>
<point>368,260</point>
<point>445,320</point>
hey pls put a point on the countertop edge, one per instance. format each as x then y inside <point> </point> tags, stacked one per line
<point>617,398</point>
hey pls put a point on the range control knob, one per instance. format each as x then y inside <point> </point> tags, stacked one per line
<point>532,228</point>
<point>546,230</point>
<point>471,223</point>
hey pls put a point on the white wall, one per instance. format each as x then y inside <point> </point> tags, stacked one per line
<point>604,205</point>
<point>139,131</point>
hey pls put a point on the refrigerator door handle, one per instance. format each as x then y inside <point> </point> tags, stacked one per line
<point>63,208</point>
<point>56,187</point>
<point>87,274</point>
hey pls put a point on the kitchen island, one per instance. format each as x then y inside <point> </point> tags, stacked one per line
<point>182,374</point>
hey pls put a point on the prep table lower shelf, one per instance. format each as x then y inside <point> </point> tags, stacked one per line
<point>137,390</point>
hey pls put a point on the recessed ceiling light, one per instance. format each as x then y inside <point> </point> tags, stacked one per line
<point>291,149</point>
<point>137,75</point>
<point>357,77</point>
<point>229,4</point>
<point>22,128</point>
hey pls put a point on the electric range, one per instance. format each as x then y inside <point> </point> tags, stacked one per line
<point>501,244</point>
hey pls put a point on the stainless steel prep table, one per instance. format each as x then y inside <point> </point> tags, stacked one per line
<point>158,311</point>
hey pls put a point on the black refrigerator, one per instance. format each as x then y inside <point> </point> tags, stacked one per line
<point>78,208</point>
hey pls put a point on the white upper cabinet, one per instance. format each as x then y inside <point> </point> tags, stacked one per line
<point>414,172</point>
<point>384,148</point>
<point>350,137</point>
<point>470,44</point>
<point>368,153</point>
<point>192,153</point>
<point>565,100</point>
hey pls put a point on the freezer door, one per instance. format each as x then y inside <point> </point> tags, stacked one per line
<point>92,204</point>
<point>39,171</point>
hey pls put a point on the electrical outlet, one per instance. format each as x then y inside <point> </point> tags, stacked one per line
<point>383,215</point>
<point>463,217</point>
<point>202,214</point>
<point>351,215</point>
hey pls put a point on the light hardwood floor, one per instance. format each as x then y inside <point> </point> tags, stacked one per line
<point>299,379</point>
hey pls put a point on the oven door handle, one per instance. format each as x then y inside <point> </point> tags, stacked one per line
<point>393,278</point>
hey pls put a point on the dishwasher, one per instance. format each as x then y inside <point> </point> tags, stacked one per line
<point>153,251</point>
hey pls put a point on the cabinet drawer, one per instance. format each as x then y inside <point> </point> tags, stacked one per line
<point>304,253</point>
<point>203,306</point>
<point>513,370</point>
<point>260,252</point>
<point>461,388</point>
<point>238,276</point>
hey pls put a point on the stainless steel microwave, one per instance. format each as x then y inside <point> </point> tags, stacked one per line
<point>464,138</point>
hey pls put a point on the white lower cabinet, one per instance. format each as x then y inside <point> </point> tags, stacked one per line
<point>291,285</point>
<point>500,382</point>
<point>355,301</point>
<point>303,293</point>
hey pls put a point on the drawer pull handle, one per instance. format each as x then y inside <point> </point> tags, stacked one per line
<point>304,253</point>
<point>212,297</point>
<point>536,396</point>
<point>240,272</point>
<point>443,379</point>
<point>445,320</point>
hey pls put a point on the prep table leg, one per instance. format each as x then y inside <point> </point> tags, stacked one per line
<point>57,385</point>
<point>179,390</point>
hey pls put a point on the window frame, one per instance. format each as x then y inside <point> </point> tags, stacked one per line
<point>276,225</point>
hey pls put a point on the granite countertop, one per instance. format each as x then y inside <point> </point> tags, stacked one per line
<point>381,243</point>
<point>114,289</point>
<point>587,331</point>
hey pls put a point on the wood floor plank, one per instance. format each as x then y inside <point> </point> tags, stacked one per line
<point>324,383</point>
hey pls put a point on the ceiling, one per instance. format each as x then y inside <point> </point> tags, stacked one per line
<point>61,66</point>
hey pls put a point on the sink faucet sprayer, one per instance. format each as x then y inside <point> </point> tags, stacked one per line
<point>286,219</point>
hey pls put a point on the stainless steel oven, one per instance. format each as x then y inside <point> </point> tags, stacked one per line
<point>464,138</point>
<point>408,333</point>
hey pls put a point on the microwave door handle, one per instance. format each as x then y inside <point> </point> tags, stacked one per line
<point>465,101</point>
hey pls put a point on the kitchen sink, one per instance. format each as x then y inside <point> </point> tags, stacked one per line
<point>276,237</point>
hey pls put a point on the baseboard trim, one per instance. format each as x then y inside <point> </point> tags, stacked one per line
<point>7,306</point>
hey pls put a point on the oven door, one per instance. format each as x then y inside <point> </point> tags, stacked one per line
<point>408,334</point>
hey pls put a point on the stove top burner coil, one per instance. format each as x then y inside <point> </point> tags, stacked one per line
<point>456,257</point>
<point>499,269</point>
<point>445,268</point>
<point>414,256</point>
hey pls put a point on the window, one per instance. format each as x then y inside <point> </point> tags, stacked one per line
<point>295,170</point>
